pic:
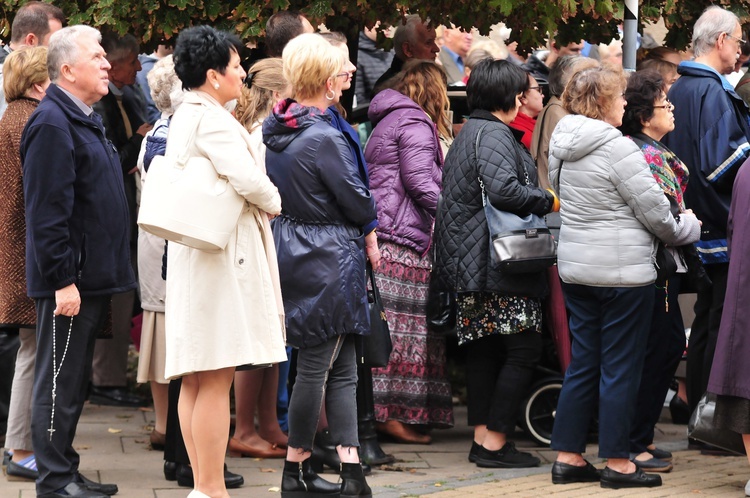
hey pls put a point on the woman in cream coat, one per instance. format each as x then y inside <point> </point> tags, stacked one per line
<point>222,309</point>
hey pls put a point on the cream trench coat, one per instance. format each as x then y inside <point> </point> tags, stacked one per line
<point>224,309</point>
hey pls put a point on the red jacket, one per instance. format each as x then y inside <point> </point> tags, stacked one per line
<point>525,124</point>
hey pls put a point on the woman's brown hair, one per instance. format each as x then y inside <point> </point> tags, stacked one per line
<point>591,92</point>
<point>426,84</point>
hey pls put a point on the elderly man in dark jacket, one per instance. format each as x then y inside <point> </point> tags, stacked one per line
<point>77,253</point>
<point>711,136</point>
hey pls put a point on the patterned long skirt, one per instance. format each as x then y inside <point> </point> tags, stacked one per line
<point>414,387</point>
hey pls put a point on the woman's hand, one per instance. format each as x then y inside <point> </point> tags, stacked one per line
<point>371,249</point>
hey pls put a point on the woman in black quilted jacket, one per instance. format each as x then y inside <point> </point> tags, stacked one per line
<point>499,314</point>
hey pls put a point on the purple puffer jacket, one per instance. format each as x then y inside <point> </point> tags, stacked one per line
<point>405,164</point>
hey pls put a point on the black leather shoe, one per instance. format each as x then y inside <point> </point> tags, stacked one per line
<point>184,476</point>
<point>564,473</point>
<point>170,471</point>
<point>107,489</point>
<point>507,457</point>
<point>75,489</point>
<point>638,479</point>
<point>115,396</point>
<point>324,454</point>
<point>473,451</point>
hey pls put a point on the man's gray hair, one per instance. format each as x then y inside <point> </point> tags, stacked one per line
<point>406,33</point>
<point>63,47</point>
<point>119,47</point>
<point>712,23</point>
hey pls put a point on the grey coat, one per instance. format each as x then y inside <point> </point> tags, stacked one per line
<point>612,208</point>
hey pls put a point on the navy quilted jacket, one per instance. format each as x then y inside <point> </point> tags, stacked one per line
<point>461,237</point>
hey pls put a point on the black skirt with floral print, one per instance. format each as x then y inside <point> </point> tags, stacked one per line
<point>480,314</point>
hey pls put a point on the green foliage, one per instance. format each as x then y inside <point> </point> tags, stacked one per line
<point>593,20</point>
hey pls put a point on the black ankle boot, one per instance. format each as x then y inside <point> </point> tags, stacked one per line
<point>353,483</point>
<point>324,454</point>
<point>299,480</point>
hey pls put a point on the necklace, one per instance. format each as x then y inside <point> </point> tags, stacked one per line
<point>56,369</point>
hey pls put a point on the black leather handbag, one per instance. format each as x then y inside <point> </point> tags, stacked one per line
<point>518,244</point>
<point>376,347</point>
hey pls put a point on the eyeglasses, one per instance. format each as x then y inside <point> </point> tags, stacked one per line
<point>537,88</point>
<point>669,106</point>
<point>346,76</point>
<point>738,40</point>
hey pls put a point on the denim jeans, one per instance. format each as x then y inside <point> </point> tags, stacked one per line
<point>609,327</point>
<point>327,370</point>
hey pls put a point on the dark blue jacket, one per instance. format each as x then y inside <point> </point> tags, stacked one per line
<point>711,137</point>
<point>76,212</point>
<point>319,238</point>
<point>352,138</point>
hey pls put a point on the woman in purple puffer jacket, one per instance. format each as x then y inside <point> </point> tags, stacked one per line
<point>405,163</point>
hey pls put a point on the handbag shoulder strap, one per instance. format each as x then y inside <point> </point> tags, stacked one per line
<point>476,162</point>
<point>520,169</point>
<point>183,157</point>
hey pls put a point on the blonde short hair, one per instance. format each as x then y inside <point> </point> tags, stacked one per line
<point>23,69</point>
<point>309,62</point>
<point>591,92</point>
<point>163,82</point>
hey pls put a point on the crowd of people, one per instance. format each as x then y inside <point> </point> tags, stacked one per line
<point>641,173</point>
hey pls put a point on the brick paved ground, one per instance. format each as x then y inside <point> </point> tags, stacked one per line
<point>114,448</point>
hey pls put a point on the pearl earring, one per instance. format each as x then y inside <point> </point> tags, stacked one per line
<point>216,86</point>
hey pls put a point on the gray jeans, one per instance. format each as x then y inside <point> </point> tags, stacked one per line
<point>329,371</point>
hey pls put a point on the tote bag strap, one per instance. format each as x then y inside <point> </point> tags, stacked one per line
<point>182,159</point>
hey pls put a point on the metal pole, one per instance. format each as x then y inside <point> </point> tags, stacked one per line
<point>630,35</point>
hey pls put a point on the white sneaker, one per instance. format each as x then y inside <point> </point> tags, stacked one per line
<point>747,489</point>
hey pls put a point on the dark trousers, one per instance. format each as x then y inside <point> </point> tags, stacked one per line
<point>174,445</point>
<point>499,369</point>
<point>328,369</point>
<point>8,349</point>
<point>55,457</point>
<point>666,342</point>
<point>703,333</point>
<point>609,327</point>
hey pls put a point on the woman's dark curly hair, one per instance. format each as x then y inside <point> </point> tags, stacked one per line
<point>644,89</point>
<point>199,49</point>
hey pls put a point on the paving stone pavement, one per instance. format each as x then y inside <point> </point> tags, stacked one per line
<point>113,443</point>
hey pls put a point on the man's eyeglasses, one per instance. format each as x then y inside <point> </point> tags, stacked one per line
<point>738,40</point>
<point>669,106</point>
<point>537,88</point>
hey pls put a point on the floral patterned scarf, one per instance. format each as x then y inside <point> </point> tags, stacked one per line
<point>669,171</point>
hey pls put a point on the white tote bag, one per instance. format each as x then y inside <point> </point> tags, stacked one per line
<point>185,200</point>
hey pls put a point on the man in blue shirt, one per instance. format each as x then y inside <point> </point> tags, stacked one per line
<point>456,46</point>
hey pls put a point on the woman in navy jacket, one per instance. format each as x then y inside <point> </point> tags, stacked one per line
<point>321,252</point>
